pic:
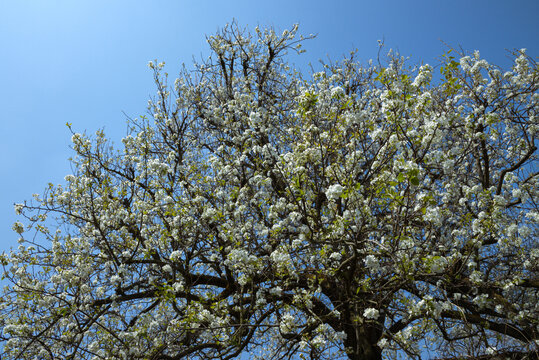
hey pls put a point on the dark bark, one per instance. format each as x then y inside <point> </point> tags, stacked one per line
<point>361,342</point>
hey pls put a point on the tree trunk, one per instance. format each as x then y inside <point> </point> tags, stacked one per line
<point>361,344</point>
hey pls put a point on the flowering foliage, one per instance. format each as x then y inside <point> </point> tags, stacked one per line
<point>353,215</point>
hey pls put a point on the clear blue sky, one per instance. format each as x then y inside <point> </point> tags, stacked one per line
<point>84,62</point>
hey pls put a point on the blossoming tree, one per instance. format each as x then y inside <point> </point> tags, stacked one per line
<point>363,213</point>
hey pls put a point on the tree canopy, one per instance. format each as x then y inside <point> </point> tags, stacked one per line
<point>360,212</point>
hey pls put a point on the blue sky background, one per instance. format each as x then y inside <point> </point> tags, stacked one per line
<point>84,62</point>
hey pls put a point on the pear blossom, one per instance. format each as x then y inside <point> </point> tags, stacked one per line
<point>371,313</point>
<point>334,191</point>
<point>363,212</point>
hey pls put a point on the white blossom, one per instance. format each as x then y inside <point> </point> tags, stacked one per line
<point>371,313</point>
<point>334,191</point>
